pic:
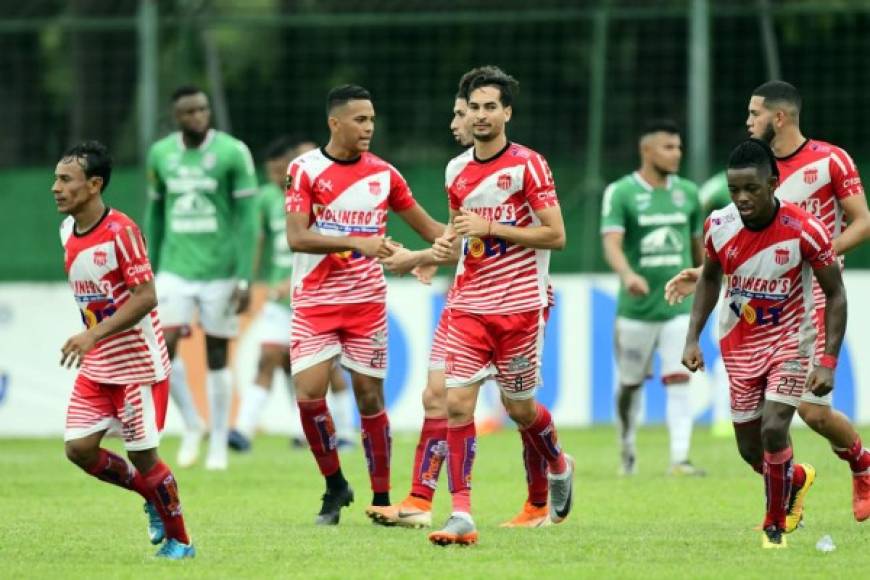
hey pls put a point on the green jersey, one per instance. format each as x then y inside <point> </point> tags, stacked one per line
<point>198,197</point>
<point>714,193</point>
<point>273,224</point>
<point>658,225</point>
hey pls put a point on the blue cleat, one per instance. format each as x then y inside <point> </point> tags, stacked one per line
<point>156,532</point>
<point>175,550</point>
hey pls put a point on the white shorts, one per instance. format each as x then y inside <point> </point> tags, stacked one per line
<point>273,324</point>
<point>179,298</point>
<point>637,340</point>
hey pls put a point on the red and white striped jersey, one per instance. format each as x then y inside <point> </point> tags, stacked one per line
<point>816,177</point>
<point>494,276</point>
<point>768,302</point>
<point>342,198</point>
<point>103,264</point>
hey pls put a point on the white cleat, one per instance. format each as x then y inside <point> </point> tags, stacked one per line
<point>188,453</point>
<point>218,454</point>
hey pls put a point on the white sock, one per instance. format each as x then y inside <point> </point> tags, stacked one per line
<point>679,419</point>
<point>628,433</point>
<point>339,406</point>
<point>253,402</point>
<point>182,396</point>
<point>219,387</point>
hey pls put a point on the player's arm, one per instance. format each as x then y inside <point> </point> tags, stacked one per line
<point>155,211</point>
<point>421,222</point>
<point>821,379</point>
<point>445,249</point>
<point>302,239</point>
<point>612,241</point>
<point>550,235</point>
<point>697,251</point>
<point>143,299</point>
<point>709,285</point>
<point>858,219</point>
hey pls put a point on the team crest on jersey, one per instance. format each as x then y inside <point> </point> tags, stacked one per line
<point>811,175</point>
<point>375,187</point>
<point>100,258</point>
<point>324,185</point>
<point>209,160</point>
<point>504,181</point>
<point>461,184</point>
<point>780,256</point>
<point>678,196</point>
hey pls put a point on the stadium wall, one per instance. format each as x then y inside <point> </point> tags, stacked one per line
<point>578,371</point>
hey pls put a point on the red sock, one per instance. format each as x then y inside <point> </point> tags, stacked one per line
<point>377,445</point>
<point>461,449</point>
<point>114,469</point>
<point>857,456</point>
<point>429,457</point>
<point>777,486</point>
<point>163,490</point>
<point>320,433</point>
<point>542,435</point>
<point>536,471</point>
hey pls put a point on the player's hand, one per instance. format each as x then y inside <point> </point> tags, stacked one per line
<point>821,381</point>
<point>372,247</point>
<point>682,285</point>
<point>442,248</point>
<point>468,223</point>
<point>635,284</point>
<point>75,348</point>
<point>693,358</point>
<point>240,299</point>
<point>401,262</point>
<point>425,273</point>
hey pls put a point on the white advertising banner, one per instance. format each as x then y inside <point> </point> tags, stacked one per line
<point>578,369</point>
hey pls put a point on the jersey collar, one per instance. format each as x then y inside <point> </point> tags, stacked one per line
<point>795,152</point>
<point>669,181</point>
<point>209,137</point>
<point>494,157</point>
<point>93,227</point>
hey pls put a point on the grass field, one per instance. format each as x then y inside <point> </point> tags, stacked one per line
<point>255,521</point>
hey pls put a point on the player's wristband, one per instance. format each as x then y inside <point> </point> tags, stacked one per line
<point>828,361</point>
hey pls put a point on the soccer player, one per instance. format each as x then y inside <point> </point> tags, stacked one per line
<point>774,346</point>
<point>504,207</point>
<point>416,509</point>
<point>274,320</point>
<point>201,226</point>
<point>337,201</point>
<point>122,359</point>
<point>651,229</point>
<point>823,180</point>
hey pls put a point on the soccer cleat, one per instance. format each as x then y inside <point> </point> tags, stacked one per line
<point>796,502</point>
<point>188,452</point>
<point>413,512</point>
<point>861,495</point>
<point>531,516</point>
<point>333,501</point>
<point>773,538</point>
<point>459,530</point>
<point>686,469</point>
<point>175,550</point>
<point>238,442</point>
<point>629,463</point>
<point>156,531</point>
<point>562,492</point>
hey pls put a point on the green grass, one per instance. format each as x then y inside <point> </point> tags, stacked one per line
<point>255,521</point>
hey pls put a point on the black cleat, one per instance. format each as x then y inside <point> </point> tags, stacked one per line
<point>773,538</point>
<point>238,442</point>
<point>333,501</point>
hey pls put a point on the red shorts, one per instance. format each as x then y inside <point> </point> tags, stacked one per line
<point>357,332</point>
<point>139,411</point>
<point>508,346</point>
<point>782,379</point>
<point>439,343</point>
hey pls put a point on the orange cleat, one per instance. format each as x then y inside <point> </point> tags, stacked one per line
<point>531,516</point>
<point>861,495</point>
<point>413,512</point>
